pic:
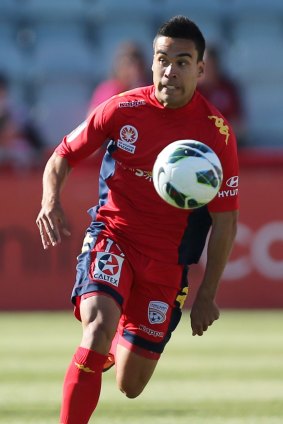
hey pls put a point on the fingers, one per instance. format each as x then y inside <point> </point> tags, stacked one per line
<point>49,232</point>
<point>199,329</point>
<point>44,240</point>
<point>52,231</point>
<point>203,313</point>
<point>200,326</point>
<point>49,228</point>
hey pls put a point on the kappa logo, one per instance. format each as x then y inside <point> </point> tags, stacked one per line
<point>108,268</point>
<point>128,136</point>
<point>233,182</point>
<point>157,311</point>
<point>150,331</point>
<point>83,368</point>
<point>222,127</point>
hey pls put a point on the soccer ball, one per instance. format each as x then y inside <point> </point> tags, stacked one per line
<point>187,174</point>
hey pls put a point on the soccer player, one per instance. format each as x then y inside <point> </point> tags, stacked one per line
<point>132,273</point>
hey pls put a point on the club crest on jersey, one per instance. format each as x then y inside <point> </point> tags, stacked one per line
<point>108,267</point>
<point>157,311</point>
<point>128,136</point>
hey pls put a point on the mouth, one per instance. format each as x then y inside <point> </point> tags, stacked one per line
<point>169,88</point>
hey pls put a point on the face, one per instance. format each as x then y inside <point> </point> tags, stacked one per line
<point>176,70</point>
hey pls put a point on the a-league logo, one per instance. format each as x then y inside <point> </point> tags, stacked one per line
<point>108,268</point>
<point>128,136</point>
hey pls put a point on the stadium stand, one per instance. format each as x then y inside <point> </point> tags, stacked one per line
<point>53,10</point>
<point>208,14</point>
<point>71,43</point>
<point>11,58</point>
<point>120,21</point>
<point>264,113</point>
<point>61,50</point>
<point>61,105</point>
<point>7,10</point>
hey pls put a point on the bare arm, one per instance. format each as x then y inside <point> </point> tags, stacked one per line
<point>51,219</point>
<point>204,310</point>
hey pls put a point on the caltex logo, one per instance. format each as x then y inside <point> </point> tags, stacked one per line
<point>108,264</point>
<point>108,268</point>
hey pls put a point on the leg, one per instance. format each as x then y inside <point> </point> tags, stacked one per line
<point>150,316</point>
<point>100,316</point>
<point>133,371</point>
<point>81,391</point>
<point>104,274</point>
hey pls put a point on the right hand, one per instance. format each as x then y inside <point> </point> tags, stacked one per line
<point>51,222</point>
<point>203,313</point>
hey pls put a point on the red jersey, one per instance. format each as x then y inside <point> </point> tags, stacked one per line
<point>138,127</point>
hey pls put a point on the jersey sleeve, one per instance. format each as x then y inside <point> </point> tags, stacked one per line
<point>227,198</point>
<point>89,136</point>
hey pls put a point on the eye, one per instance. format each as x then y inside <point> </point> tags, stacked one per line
<point>162,60</point>
<point>183,63</point>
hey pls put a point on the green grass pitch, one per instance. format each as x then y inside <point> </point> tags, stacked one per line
<point>231,375</point>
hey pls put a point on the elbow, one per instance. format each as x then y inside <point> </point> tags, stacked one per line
<point>225,223</point>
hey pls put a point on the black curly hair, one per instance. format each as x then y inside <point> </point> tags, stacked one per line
<point>182,27</point>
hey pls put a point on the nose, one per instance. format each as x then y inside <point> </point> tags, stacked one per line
<point>170,71</point>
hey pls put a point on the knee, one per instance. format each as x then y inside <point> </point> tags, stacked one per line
<point>131,391</point>
<point>98,334</point>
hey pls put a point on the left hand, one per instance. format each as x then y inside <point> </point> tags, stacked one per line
<point>203,313</point>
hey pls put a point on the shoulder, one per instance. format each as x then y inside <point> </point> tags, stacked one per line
<point>116,108</point>
<point>210,112</point>
<point>134,97</point>
<point>213,125</point>
<point>130,100</point>
<point>207,107</point>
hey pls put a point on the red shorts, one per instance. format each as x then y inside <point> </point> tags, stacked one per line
<point>150,293</point>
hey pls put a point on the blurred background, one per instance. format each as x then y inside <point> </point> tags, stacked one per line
<point>58,59</point>
<point>61,57</point>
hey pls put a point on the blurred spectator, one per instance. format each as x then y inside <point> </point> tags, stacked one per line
<point>129,71</point>
<point>20,142</point>
<point>223,92</point>
<point>15,150</point>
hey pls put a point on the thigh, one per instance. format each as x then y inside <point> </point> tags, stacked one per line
<point>153,311</point>
<point>102,269</point>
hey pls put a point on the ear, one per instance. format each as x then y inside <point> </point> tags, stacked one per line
<point>200,68</point>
